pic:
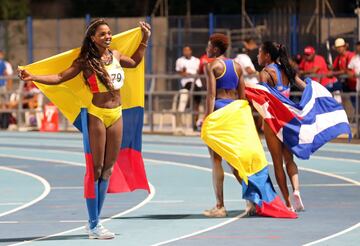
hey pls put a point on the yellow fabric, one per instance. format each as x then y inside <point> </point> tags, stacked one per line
<point>231,133</point>
<point>107,115</point>
<point>74,94</point>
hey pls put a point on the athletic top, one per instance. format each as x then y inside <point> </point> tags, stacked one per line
<point>116,74</point>
<point>283,89</point>
<point>229,79</point>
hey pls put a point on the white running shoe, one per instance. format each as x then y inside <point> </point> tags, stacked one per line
<point>299,206</point>
<point>99,232</point>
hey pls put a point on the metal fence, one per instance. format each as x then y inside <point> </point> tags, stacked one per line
<point>169,110</point>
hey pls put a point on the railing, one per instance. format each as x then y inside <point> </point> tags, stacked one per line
<point>154,107</point>
<point>160,102</point>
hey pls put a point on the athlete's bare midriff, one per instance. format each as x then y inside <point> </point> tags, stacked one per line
<point>226,94</point>
<point>109,99</point>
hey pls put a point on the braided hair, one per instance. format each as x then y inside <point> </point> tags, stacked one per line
<point>89,55</point>
<point>278,54</point>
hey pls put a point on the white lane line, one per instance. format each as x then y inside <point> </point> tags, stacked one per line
<point>9,222</point>
<point>46,191</point>
<point>72,163</point>
<point>73,221</point>
<point>334,235</point>
<point>202,168</point>
<point>144,202</point>
<point>10,203</point>
<point>180,164</point>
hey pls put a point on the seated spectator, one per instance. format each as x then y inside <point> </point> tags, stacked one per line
<point>315,64</point>
<point>185,66</point>
<point>31,99</point>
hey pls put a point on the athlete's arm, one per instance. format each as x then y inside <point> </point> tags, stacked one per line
<point>211,88</point>
<point>241,86</point>
<point>135,59</point>
<point>53,79</point>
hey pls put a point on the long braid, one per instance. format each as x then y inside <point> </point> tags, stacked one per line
<point>89,55</point>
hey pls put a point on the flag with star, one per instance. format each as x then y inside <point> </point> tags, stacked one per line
<point>305,126</point>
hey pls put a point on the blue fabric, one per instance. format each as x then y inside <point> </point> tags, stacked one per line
<point>322,105</point>
<point>230,79</point>
<point>259,188</point>
<point>2,71</point>
<point>92,207</point>
<point>222,102</point>
<point>132,136</point>
<point>103,187</point>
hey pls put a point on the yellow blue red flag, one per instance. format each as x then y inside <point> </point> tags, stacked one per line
<point>73,97</point>
<point>230,132</point>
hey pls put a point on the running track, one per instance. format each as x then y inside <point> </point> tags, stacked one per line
<point>41,197</point>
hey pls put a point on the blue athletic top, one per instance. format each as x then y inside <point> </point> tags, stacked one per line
<point>283,89</point>
<point>229,79</point>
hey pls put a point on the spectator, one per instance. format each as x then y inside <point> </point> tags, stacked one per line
<point>341,64</point>
<point>247,67</point>
<point>354,70</point>
<point>252,49</point>
<point>315,64</point>
<point>9,71</point>
<point>3,72</point>
<point>185,66</point>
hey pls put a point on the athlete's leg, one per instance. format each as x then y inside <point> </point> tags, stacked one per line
<point>275,147</point>
<point>97,138</point>
<point>293,173</point>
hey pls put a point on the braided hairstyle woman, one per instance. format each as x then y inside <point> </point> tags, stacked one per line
<point>89,55</point>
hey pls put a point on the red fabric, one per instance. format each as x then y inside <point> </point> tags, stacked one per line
<point>129,172</point>
<point>93,83</point>
<point>276,208</point>
<point>89,184</point>
<point>280,114</point>
<point>341,63</point>
<point>204,59</point>
<point>320,63</point>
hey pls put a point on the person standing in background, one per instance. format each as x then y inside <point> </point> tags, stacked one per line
<point>252,49</point>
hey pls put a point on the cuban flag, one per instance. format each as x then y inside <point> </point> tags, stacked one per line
<point>303,127</point>
<point>73,97</point>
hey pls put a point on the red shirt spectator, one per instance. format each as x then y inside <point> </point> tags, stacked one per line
<point>204,59</point>
<point>341,63</point>
<point>313,63</point>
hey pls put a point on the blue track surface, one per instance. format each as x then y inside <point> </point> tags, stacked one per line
<point>47,170</point>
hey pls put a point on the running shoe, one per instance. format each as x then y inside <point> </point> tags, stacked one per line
<point>299,206</point>
<point>99,232</point>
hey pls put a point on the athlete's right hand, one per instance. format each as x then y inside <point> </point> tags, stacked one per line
<point>24,75</point>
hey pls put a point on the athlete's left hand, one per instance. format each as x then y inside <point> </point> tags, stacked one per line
<point>146,30</point>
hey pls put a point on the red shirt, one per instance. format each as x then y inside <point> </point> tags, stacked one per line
<point>320,63</point>
<point>341,63</point>
<point>204,59</point>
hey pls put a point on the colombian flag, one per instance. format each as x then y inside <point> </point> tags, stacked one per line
<point>73,97</point>
<point>231,133</point>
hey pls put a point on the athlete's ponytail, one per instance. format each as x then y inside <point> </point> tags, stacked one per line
<point>285,64</point>
<point>278,55</point>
